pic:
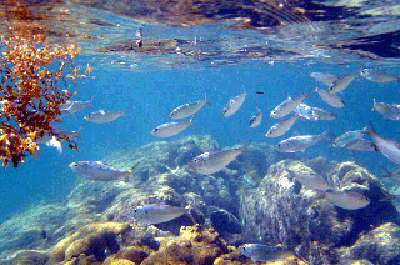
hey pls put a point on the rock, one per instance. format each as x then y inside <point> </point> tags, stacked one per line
<point>94,241</point>
<point>27,257</point>
<point>276,214</point>
<point>194,246</point>
<point>378,246</point>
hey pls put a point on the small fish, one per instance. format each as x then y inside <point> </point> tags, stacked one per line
<point>378,76</point>
<point>346,199</point>
<point>211,162</point>
<point>287,106</point>
<point>342,82</point>
<point>188,109</point>
<point>104,116</point>
<point>258,252</point>
<point>388,111</point>
<point>347,139</point>
<point>314,113</point>
<point>96,170</point>
<point>170,128</point>
<point>155,214</point>
<point>362,145</point>
<point>310,180</point>
<point>281,127</point>
<point>71,107</point>
<point>234,105</point>
<point>256,119</point>
<point>389,148</point>
<point>300,142</point>
<point>330,98</point>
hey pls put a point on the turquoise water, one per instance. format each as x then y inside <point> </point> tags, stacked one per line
<point>148,97</point>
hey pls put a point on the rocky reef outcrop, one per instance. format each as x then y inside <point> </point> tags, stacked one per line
<point>278,212</point>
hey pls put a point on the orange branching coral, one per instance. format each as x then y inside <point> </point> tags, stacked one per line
<point>30,94</point>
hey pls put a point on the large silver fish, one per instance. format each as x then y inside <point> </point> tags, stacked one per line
<point>104,116</point>
<point>211,162</point>
<point>330,98</point>
<point>347,199</point>
<point>310,180</point>
<point>335,84</point>
<point>71,107</point>
<point>256,119</point>
<point>170,128</point>
<point>300,142</point>
<point>259,253</point>
<point>362,145</point>
<point>378,76</point>
<point>281,127</point>
<point>388,111</point>
<point>342,82</point>
<point>187,110</point>
<point>234,105</point>
<point>347,139</point>
<point>96,170</point>
<point>314,113</point>
<point>389,148</point>
<point>287,106</point>
<point>154,213</point>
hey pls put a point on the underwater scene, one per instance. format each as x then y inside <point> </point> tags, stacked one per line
<point>199,132</point>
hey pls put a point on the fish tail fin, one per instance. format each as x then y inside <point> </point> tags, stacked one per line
<point>206,99</point>
<point>244,146</point>
<point>130,173</point>
<point>188,212</point>
<point>324,134</point>
<point>90,102</point>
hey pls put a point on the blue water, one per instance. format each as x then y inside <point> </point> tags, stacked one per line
<point>149,96</point>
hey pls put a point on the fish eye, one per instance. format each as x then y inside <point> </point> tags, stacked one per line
<point>145,212</point>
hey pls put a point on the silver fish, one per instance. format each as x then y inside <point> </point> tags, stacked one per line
<point>378,76</point>
<point>347,139</point>
<point>330,98</point>
<point>300,142</point>
<point>389,148</point>
<point>388,111</point>
<point>326,79</point>
<point>258,252</point>
<point>342,82</point>
<point>362,145</point>
<point>211,162</point>
<point>170,128</point>
<point>310,180</point>
<point>256,119</point>
<point>96,170</point>
<point>287,106</point>
<point>50,140</point>
<point>104,116</point>
<point>187,110</point>
<point>314,113</point>
<point>155,214</point>
<point>347,199</point>
<point>281,127</point>
<point>71,107</point>
<point>234,105</point>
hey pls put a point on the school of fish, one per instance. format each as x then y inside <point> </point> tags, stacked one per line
<point>211,162</point>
